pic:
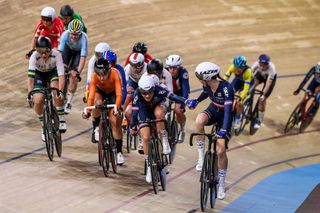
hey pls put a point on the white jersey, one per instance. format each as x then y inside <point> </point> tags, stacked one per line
<point>269,73</point>
<point>92,60</point>
<point>53,62</point>
<point>132,75</point>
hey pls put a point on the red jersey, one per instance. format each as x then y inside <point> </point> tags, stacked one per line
<point>147,58</point>
<point>53,34</point>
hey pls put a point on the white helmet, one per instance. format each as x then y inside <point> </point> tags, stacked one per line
<point>206,70</point>
<point>146,83</point>
<point>48,12</point>
<point>136,59</point>
<point>318,67</point>
<point>102,47</point>
<point>174,60</point>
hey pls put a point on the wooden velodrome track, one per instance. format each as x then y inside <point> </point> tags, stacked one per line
<point>197,30</point>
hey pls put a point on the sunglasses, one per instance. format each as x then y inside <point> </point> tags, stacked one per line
<point>172,67</point>
<point>46,19</point>
<point>75,34</point>
<point>43,50</point>
<point>145,93</point>
<point>137,65</point>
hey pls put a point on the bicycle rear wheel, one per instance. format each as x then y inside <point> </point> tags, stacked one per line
<point>48,132</point>
<point>152,160</point>
<point>253,120</point>
<point>173,140</point>
<point>204,180</point>
<point>293,119</point>
<point>103,150</point>
<point>213,181</point>
<point>113,151</point>
<point>244,117</point>
<point>57,133</point>
<point>308,119</point>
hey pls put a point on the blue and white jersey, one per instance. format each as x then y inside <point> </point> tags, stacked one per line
<point>79,45</point>
<point>221,100</point>
<point>181,84</point>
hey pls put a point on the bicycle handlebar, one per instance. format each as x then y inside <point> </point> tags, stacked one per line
<point>50,89</point>
<point>114,106</point>
<point>209,136</point>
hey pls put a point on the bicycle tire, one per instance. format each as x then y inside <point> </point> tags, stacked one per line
<point>112,151</point>
<point>48,129</point>
<point>128,139</point>
<point>103,150</point>
<point>204,179</point>
<point>213,187</point>
<point>163,179</point>
<point>57,133</point>
<point>173,140</point>
<point>244,117</point>
<point>153,166</point>
<point>253,119</point>
<point>308,120</point>
<point>293,119</point>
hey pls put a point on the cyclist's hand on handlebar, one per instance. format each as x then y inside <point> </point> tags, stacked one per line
<point>86,116</point>
<point>222,133</point>
<point>30,100</point>
<point>296,92</point>
<point>192,103</point>
<point>118,113</point>
<point>60,94</point>
<point>262,98</point>
<point>133,130</point>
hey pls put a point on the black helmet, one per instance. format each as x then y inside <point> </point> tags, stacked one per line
<point>66,10</point>
<point>102,66</point>
<point>155,66</point>
<point>140,47</point>
<point>43,42</point>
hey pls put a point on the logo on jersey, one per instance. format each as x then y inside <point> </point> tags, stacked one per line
<point>161,92</point>
<point>219,94</point>
<point>185,75</point>
<point>135,100</point>
<point>225,90</point>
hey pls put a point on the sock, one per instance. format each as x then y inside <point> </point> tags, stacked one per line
<point>69,97</point>
<point>261,115</point>
<point>119,145</point>
<point>200,146</point>
<point>60,111</point>
<point>164,135</point>
<point>41,119</point>
<point>222,176</point>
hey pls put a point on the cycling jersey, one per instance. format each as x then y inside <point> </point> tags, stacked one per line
<point>308,76</point>
<point>147,58</point>
<point>132,77</point>
<point>111,85</point>
<point>80,45</point>
<point>54,62</point>
<point>53,33</point>
<point>180,83</point>
<point>240,82</point>
<point>220,109</point>
<point>78,17</point>
<point>143,108</point>
<point>270,73</point>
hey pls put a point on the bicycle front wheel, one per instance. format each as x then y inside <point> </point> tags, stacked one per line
<point>204,180</point>
<point>253,119</point>
<point>57,133</point>
<point>293,119</point>
<point>244,117</point>
<point>152,160</point>
<point>308,119</point>
<point>48,132</point>
<point>173,140</point>
<point>113,151</point>
<point>103,150</point>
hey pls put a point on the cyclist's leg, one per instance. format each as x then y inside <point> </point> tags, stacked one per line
<point>222,166</point>
<point>132,86</point>
<point>98,100</point>
<point>312,89</point>
<point>237,85</point>
<point>181,118</point>
<point>160,112</point>
<point>316,102</point>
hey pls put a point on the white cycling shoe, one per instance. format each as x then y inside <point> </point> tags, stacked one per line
<point>199,165</point>
<point>221,192</point>
<point>43,137</point>
<point>62,126</point>
<point>166,146</point>
<point>120,159</point>
<point>148,175</point>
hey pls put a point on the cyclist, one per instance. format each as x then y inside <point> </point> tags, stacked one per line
<point>181,87</point>
<point>241,83</point>
<point>313,88</point>
<point>142,48</point>
<point>106,83</point>
<point>264,72</point>
<point>50,26</point>
<point>98,50</point>
<point>67,14</point>
<point>112,58</point>
<point>134,71</point>
<point>148,102</point>
<point>46,67</point>
<point>74,48</point>
<point>219,111</point>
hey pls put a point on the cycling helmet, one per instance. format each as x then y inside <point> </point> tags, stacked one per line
<point>48,12</point>
<point>102,47</point>
<point>318,67</point>
<point>155,66</point>
<point>174,60</point>
<point>66,10</point>
<point>146,84</point>
<point>75,26</point>
<point>136,60</point>
<point>207,70</point>
<point>264,58</point>
<point>240,61</point>
<point>43,42</point>
<point>102,66</point>
<point>140,47</point>
<point>110,56</point>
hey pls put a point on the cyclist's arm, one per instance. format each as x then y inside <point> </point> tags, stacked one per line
<point>229,96</point>
<point>185,86</point>
<point>63,41</point>
<point>168,79</point>
<point>118,87</point>
<point>306,79</point>
<point>92,91</point>
<point>36,34</point>
<point>123,81</point>
<point>60,70</point>
<point>135,110</point>
<point>204,95</point>
<point>247,78</point>
<point>31,72</point>
<point>228,73</point>
<point>83,52</point>
<point>90,72</point>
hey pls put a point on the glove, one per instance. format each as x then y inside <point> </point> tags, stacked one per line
<point>296,92</point>
<point>262,98</point>
<point>86,116</point>
<point>85,97</point>
<point>28,55</point>
<point>30,100</point>
<point>192,103</point>
<point>133,130</point>
<point>60,94</point>
<point>222,133</point>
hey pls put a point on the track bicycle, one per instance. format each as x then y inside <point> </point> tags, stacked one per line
<point>302,114</point>
<point>172,129</point>
<point>67,80</point>
<point>107,151</point>
<point>50,122</point>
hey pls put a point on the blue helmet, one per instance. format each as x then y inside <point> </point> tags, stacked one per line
<point>110,56</point>
<point>264,58</point>
<point>240,61</point>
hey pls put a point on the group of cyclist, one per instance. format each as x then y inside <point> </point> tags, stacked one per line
<point>143,88</point>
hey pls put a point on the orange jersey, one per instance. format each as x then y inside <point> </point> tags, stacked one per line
<point>111,84</point>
